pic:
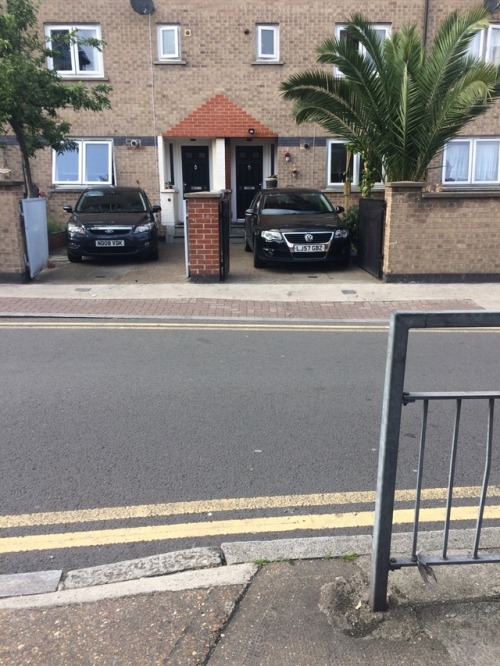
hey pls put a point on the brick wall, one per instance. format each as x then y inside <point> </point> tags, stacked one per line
<point>218,57</point>
<point>203,236</point>
<point>12,265</point>
<point>434,236</point>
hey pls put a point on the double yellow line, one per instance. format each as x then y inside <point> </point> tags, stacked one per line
<point>212,527</point>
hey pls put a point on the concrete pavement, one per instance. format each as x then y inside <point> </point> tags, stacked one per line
<point>276,610</point>
<point>296,602</point>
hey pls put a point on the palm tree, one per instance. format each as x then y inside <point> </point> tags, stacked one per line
<point>395,103</point>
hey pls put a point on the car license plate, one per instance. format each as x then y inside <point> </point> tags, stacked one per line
<point>110,243</point>
<point>309,248</point>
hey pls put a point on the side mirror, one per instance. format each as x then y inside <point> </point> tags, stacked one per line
<point>156,208</point>
<point>68,209</point>
<point>339,209</point>
<point>250,211</point>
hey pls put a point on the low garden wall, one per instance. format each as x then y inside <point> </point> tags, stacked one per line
<point>441,236</point>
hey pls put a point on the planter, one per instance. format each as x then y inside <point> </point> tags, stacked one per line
<point>271,182</point>
<point>57,239</point>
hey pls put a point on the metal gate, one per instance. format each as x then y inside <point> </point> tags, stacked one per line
<point>224,229</point>
<point>371,235</point>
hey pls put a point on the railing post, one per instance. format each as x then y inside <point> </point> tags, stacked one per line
<point>388,458</point>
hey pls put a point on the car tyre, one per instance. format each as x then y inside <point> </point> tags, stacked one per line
<point>154,255</point>
<point>247,244</point>
<point>257,261</point>
<point>74,257</point>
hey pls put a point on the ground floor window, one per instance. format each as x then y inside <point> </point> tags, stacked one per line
<point>472,161</point>
<point>337,167</point>
<point>89,163</point>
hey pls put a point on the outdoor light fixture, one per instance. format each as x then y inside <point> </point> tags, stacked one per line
<point>251,131</point>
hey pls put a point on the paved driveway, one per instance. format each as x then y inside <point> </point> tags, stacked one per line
<point>171,269</point>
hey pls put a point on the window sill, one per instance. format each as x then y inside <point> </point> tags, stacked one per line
<point>75,188</point>
<point>101,77</point>
<point>354,188</point>
<point>280,63</point>
<point>170,62</point>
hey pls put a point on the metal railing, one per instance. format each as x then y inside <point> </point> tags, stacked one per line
<point>394,399</point>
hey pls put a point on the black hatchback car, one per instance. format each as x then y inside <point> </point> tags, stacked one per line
<point>112,221</point>
<point>293,225</point>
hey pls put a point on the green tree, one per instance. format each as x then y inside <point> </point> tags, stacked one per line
<point>31,95</point>
<point>395,102</point>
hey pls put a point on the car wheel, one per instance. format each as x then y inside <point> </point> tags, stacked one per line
<point>74,257</point>
<point>257,261</point>
<point>247,244</point>
<point>154,254</point>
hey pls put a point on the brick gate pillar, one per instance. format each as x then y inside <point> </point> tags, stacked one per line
<point>12,263</point>
<point>203,236</point>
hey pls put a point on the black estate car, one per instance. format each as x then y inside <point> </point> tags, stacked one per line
<point>295,226</point>
<point>112,221</point>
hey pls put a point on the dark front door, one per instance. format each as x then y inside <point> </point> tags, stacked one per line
<point>248,177</point>
<point>195,172</point>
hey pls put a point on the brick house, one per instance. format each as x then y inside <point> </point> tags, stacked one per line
<point>196,103</point>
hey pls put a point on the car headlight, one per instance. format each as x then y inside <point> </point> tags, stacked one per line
<point>341,233</point>
<point>272,235</point>
<point>145,227</point>
<point>74,228</point>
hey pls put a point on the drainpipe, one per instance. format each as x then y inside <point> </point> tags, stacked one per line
<point>426,22</point>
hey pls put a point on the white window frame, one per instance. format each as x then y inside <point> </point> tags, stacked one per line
<point>482,44</point>
<point>82,156</point>
<point>473,143</point>
<point>275,29</point>
<point>170,27</point>
<point>75,68</point>
<point>356,167</point>
<point>340,27</point>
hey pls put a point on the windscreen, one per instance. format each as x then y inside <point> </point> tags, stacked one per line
<point>295,203</point>
<point>98,201</point>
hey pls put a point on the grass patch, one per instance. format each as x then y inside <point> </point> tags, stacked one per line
<point>350,557</point>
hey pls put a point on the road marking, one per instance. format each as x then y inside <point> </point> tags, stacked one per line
<point>230,504</point>
<point>228,326</point>
<point>230,527</point>
<point>193,326</point>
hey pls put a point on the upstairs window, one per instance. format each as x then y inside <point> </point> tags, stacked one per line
<point>472,162</point>
<point>268,43</point>
<point>382,30</point>
<point>337,165</point>
<point>486,44</point>
<point>72,58</point>
<point>169,42</point>
<point>90,163</point>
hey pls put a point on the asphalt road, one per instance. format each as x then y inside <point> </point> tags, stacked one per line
<point>179,418</point>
